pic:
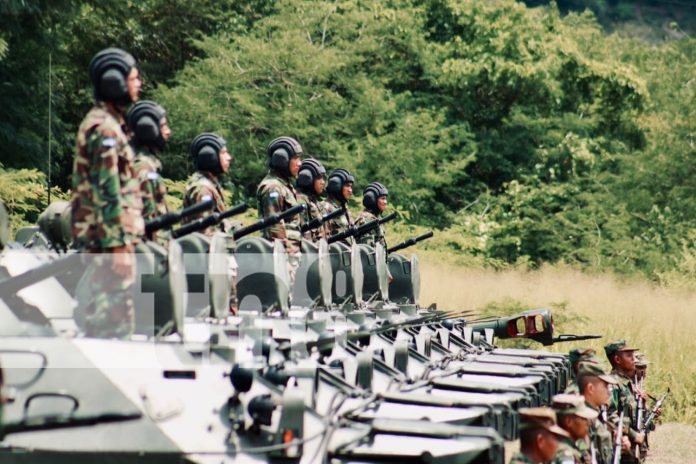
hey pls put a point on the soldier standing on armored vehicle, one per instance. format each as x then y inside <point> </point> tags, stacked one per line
<point>622,360</point>
<point>310,183</point>
<point>594,384</point>
<point>574,416</point>
<point>339,189</point>
<point>106,201</point>
<point>375,202</point>
<point>539,436</point>
<point>150,131</point>
<point>276,194</point>
<point>211,159</point>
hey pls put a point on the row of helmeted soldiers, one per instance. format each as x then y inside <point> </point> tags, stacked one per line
<point>603,417</point>
<point>117,186</point>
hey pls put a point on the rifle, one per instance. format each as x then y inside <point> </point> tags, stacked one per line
<point>359,231</point>
<point>410,242</point>
<point>168,220</point>
<point>316,222</point>
<point>268,221</point>
<point>617,440</point>
<point>653,412</point>
<point>213,219</point>
<point>639,413</point>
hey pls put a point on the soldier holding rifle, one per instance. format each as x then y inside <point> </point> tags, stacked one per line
<point>212,160</point>
<point>276,194</point>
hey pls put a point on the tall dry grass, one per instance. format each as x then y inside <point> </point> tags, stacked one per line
<point>661,322</point>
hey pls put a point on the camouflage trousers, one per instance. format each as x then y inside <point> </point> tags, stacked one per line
<point>294,255</point>
<point>105,300</point>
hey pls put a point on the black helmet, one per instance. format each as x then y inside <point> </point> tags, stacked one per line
<point>310,171</point>
<point>280,151</point>
<point>144,122</point>
<point>205,151</point>
<point>337,179</point>
<point>109,71</point>
<point>370,195</point>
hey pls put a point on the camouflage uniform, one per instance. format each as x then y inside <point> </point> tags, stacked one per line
<point>148,168</point>
<point>601,438</point>
<point>199,186</point>
<point>374,236</point>
<point>567,453</point>
<point>623,395</point>
<point>313,212</point>
<point>519,458</point>
<point>338,224</point>
<point>106,213</point>
<point>583,447</point>
<point>276,194</point>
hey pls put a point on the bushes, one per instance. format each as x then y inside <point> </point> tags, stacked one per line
<point>25,193</point>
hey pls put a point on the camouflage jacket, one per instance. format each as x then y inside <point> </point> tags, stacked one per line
<point>374,236</point>
<point>276,194</point>
<point>338,224</point>
<point>199,186</point>
<point>313,212</point>
<point>601,438</point>
<point>519,458</point>
<point>148,167</point>
<point>622,395</point>
<point>567,453</point>
<point>106,200</point>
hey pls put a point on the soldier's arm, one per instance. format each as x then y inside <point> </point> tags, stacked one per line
<point>104,147</point>
<point>273,203</point>
<point>149,189</point>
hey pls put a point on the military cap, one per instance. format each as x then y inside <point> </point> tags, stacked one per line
<point>614,347</point>
<point>579,353</point>
<point>596,370</point>
<point>543,418</point>
<point>566,404</point>
<point>641,360</point>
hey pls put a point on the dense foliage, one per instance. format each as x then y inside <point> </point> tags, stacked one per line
<point>527,135</point>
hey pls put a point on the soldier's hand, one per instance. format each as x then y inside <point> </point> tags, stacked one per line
<point>640,438</point>
<point>625,444</point>
<point>122,260</point>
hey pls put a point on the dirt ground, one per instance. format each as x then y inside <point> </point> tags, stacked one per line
<point>673,444</point>
<point>670,444</point>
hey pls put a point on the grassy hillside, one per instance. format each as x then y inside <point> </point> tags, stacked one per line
<point>660,322</point>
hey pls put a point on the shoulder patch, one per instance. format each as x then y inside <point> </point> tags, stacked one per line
<point>274,194</point>
<point>153,176</point>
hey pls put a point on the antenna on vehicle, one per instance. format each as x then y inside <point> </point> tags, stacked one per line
<point>50,97</point>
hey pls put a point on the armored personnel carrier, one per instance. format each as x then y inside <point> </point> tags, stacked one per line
<point>342,367</point>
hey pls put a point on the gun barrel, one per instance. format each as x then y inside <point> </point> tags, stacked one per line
<point>208,221</point>
<point>316,222</point>
<point>12,285</point>
<point>234,211</point>
<point>268,221</point>
<point>167,220</point>
<point>653,412</point>
<point>410,242</point>
<point>574,338</point>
